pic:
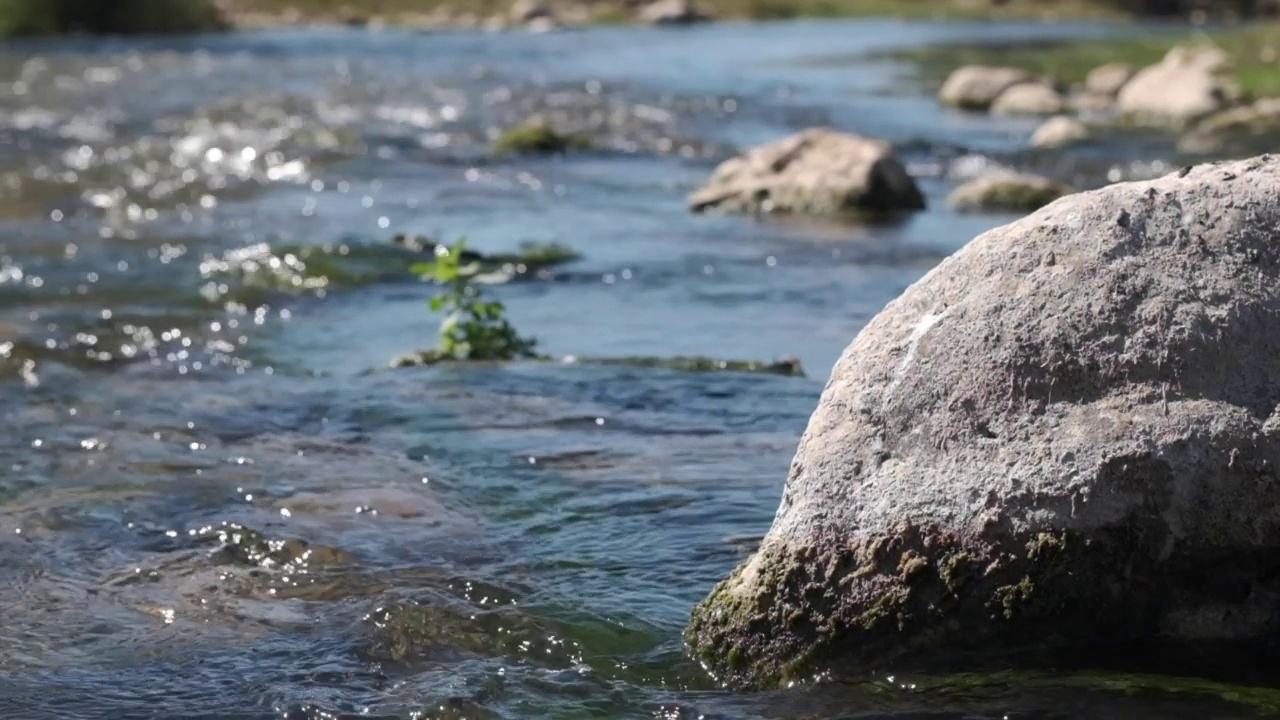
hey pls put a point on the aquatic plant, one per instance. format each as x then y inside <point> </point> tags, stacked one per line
<point>474,327</point>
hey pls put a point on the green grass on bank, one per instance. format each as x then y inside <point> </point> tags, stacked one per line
<point>39,17</point>
<point>1254,50</point>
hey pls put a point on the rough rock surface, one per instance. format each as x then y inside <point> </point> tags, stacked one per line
<point>1007,191</point>
<point>1059,131</point>
<point>817,172</point>
<point>671,12</point>
<point>1109,79</point>
<point>975,87</point>
<point>1178,90</point>
<point>1032,98</point>
<point>1067,434</point>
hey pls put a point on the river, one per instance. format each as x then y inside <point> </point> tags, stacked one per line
<point>216,502</point>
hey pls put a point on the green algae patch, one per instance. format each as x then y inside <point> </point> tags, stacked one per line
<point>246,274</point>
<point>538,138</point>
<point>697,363</point>
<point>694,364</point>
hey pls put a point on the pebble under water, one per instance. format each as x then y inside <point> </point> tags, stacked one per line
<point>217,502</point>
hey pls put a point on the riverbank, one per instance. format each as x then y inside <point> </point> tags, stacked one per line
<point>496,13</point>
<point>1252,49</point>
<point>32,17</point>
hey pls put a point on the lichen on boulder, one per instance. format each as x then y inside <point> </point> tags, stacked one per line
<point>1063,438</point>
<point>817,172</point>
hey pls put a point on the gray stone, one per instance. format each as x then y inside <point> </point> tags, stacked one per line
<point>671,12</point>
<point>1033,98</point>
<point>1109,79</point>
<point>1065,436</point>
<point>975,87</point>
<point>1007,192</point>
<point>1179,90</point>
<point>817,172</point>
<point>1059,131</point>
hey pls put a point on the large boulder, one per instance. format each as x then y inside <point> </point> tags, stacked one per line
<point>817,172</point>
<point>976,87</point>
<point>1006,191</point>
<point>1179,90</point>
<point>1065,436</point>
<point>1033,98</point>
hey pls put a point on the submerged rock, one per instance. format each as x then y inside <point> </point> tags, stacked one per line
<point>1007,191</point>
<point>1032,98</point>
<point>1059,131</point>
<point>976,87</point>
<point>1178,90</point>
<point>671,12</point>
<point>816,172</point>
<point>1064,437</point>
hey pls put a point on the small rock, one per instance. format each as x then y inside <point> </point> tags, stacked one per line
<point>1059,131</point>
<point>542,25</point>
<point>975,87</point>
<point>1109,79</point>
<point>671,12</point>
<point>1239,125</point>
<point>1007,192</point>
<point>817,172</point>
<point>1028,99</point>
<point>525,11</point>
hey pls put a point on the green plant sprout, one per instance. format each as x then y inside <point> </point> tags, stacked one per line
<point>474,328</point>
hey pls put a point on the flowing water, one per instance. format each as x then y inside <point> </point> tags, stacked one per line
<point>216,502</point>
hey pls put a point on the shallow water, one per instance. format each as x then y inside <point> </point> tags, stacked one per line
<point>212,506</point>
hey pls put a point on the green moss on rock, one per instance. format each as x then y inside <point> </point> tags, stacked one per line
<point>928,599</point>
<point>538,138</point>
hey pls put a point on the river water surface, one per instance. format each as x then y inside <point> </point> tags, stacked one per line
<point>214,504</point>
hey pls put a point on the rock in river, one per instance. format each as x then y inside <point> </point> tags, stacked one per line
<point>817,172</point>
<point>1007,191</point>
<point>1109,79</point>
<point>1065,436</point>
<point>671,12</point>
<point>1059,131</point>
<point>1033,98</point>
<point>975,87</point>
<point>1178,90</point>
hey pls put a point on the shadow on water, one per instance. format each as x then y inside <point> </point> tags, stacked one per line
<point>209,508</point>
